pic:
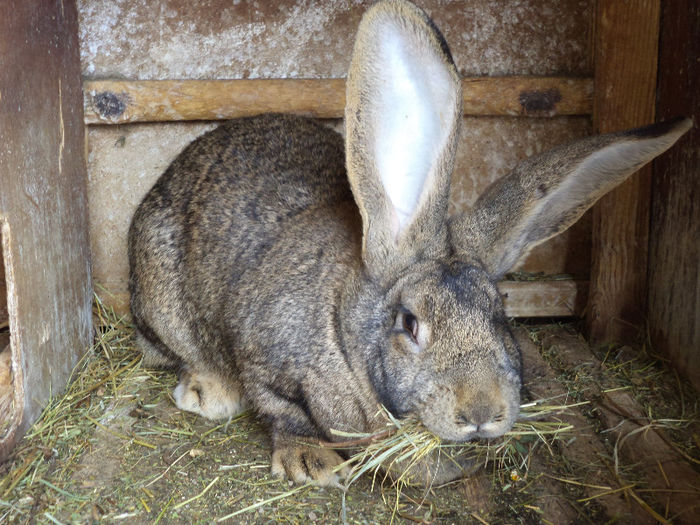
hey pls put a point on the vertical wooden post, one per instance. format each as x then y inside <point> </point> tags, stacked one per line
<point>43,204</point>
<point>674,249</point>
<point>626,51</point>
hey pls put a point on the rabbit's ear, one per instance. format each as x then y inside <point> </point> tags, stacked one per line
<point>402,117</point>
<point>547,193</point>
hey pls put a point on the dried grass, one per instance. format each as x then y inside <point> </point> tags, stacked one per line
<point>406,443</point>
<point>66,422</point>
<point>391,454</point>
<point>111,367</point>
<point>54,445</point>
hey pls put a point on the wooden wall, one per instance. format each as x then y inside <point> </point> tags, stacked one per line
<point>626,52</point>
<point>293,39</point>
<point>43,203</point>
<point>674,254</point>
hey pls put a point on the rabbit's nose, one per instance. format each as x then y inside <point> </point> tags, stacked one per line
<point>484,420</point>
<point>476,416</point>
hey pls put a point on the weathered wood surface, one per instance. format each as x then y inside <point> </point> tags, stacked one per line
<point>585,454</point>
<point>626,44</point>
<point>4,316</point>
<point>560,298</point>
<point>43,205</point>
<point>674,255</point>
<point>661,474</point>
<point>122,101</point>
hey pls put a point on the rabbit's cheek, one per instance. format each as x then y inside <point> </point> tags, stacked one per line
<point>435,408</point>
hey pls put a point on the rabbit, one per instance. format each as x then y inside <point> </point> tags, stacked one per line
<point>313,278</point>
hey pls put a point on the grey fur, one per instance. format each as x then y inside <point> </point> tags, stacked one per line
<point>255,273</point>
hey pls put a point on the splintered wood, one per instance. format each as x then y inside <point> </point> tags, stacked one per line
<point>6,389</point>
<point>4,315</point>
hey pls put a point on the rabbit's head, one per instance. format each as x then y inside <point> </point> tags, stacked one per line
<point>426,311</point>
<point>438,347</point>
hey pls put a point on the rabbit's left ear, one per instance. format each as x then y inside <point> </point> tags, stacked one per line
<point>547,193</point>
<point>402,116</point>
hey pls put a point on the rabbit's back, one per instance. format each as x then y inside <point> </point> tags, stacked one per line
<point>213,215</point>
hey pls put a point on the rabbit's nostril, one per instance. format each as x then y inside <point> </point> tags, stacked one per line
<point>475,417</point>
<point>462,419</point>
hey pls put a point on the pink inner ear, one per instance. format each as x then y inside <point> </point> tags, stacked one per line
<point>411,93</point>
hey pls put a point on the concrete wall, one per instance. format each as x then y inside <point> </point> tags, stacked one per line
<point>149,39</point>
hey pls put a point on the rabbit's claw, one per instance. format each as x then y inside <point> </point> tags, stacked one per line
<point>307,463</point>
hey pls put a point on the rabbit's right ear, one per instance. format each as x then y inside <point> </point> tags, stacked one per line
<point>402,117</point>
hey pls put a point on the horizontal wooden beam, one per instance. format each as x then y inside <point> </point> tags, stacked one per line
<point>560,298</point>
<point>124,101</point>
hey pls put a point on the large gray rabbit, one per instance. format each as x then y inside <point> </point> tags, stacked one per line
<point>268,280</point>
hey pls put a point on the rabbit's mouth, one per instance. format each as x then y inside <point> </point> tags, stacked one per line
<point>458,422</point>
<point>461,429</point>
<point>496,426</point>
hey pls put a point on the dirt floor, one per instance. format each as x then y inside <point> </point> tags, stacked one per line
<point>114,449</point>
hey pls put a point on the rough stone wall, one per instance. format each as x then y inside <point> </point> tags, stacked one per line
<point>169,39</point>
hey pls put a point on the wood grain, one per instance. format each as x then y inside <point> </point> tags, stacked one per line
<point>123,101</point>
<point>562,298</point>
<point>643,443</point>
<point>626,45</point>
<point>43,204</point>
<point>556,298</point>
<point>674,256</point>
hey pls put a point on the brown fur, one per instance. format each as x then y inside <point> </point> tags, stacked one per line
<point>256,273</point>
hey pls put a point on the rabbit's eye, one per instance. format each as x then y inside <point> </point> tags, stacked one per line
<point>410,324</point>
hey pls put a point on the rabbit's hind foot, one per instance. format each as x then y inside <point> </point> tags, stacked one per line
<point>208,395</point>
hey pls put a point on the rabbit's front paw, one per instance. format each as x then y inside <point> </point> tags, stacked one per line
<point>306,463</point>
<point>208,396</point>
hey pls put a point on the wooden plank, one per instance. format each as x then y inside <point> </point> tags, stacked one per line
<point>674,253</point>
<point>556,298</point>
<point>584,455</point>
<point>562,298</point>
<point>122,101</point>
<point>658,465</point>
<point>626,43</point>
<point>43,203</point>
<point>4,316</point>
